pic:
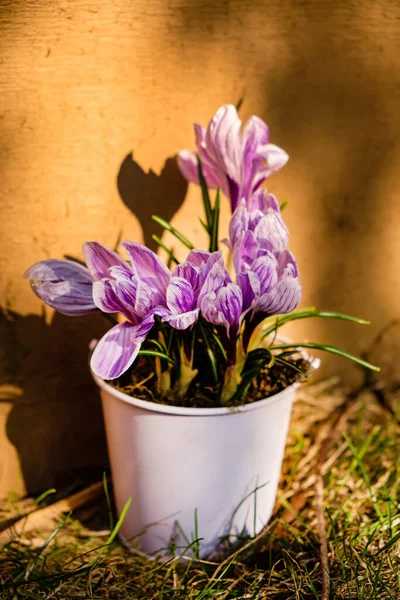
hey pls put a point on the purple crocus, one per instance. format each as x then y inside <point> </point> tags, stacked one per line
<point>135,291</point>
<point>236,160</point>
<point>201,273</point>
<point>224,307</point>
<point>64,285</point>
<point>266,270</point>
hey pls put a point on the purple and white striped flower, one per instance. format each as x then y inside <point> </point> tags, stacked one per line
<point>136,291</point>
<point>64,285</point>
<point>265,268</point>
<point>237,160</point>
<point>224,307</point>
<point>201,273</point>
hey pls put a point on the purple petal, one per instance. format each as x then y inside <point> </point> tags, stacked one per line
<point>245,251</point>
<point>224,308</point>
<point>180,296</point>
<point>197,257</point>
<point>286,294</point>
<point>116,296</point>
<point>187,163</point>
<point>239,223</point>
<point>275,158</point>
<point>66,297</point>
<point>287,263</point>
<point>99,259</point>
<point>272,232</point>
<point>187,271</point>
<point>223,140</point>
<point>262,200</point>
<point>182,321</point>
<point>148,265</point>
<point>249,284</point>
<point>283,298</point>
<point>118,348</point>
<point>217,277</point>
<point>255,135</point>
<point>147,298</point>
<point>64,285</point>
<point>55,270</point>
<point>210,311</point>
<point>266,269</point>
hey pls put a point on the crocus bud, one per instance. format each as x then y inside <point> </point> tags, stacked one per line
<point>64,285</point>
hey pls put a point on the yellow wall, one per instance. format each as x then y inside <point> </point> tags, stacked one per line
<point>85,83</point>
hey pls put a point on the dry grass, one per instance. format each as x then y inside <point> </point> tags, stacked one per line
<point>345,453</point>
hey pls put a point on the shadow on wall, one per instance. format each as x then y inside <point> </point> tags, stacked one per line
<point>147,194</point>
<point>331,98</point>
<point>56,425</point>
<point>333,110</point>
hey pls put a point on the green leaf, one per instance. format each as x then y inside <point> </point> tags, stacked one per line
<point>168,227</point>
<point>215,222</point>
<point>260,355</point>
<point>220,345</point>
<point>164,247</point>
<point>204,225</point>
<point>108,500</point>
<point>114,532</point>
<point>306,314</point>
<point>158,345</point>
<point>205,195</point>
<point>284,205</point>
<point>239,103</point>
<point>287,363</point>
<point>210,353</point>
<point>156,355</point>
<point>256,360</point>
<point>40,498</point>
<point>331,350</point>
<point>389,544</point>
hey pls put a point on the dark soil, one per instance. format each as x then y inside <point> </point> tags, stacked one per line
<point>140,382</point>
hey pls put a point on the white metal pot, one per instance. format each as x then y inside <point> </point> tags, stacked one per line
<point>194,472</point>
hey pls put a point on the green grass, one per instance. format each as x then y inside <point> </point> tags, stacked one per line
<point>362,520</point>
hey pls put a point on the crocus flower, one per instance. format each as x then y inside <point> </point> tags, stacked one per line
<point>265,268</point>
<point>201,273</point>
<point>236,160</point>
<point>262,216</point>
<point>64,285</point>
<point>135,291</point>
<point>224,307</point>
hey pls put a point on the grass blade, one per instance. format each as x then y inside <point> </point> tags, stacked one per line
<point>40,498</point>
<point>215,222</point>
<point>307,314</point>
<point>108,500</point>
<point>210,353</point>
<point>164,247</point>
<point>168,227</point>
<point>284,205</point>
<point>205,195</point>
<point>116,529</point>
<point>158,345</point>
<point>156,354</point>
<point>287,363</point>
<point>331,350</point>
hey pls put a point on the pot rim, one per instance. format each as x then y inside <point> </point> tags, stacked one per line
<point>192,411</point>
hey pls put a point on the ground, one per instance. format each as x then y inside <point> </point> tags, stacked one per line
<point>335,532</point>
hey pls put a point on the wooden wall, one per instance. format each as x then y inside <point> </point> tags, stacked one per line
<point>97,96</point>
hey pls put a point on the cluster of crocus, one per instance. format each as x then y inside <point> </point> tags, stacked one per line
<point>168,308</point>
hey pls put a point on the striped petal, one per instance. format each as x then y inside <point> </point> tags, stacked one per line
<point>118,348</point>
<point>99,259</point>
